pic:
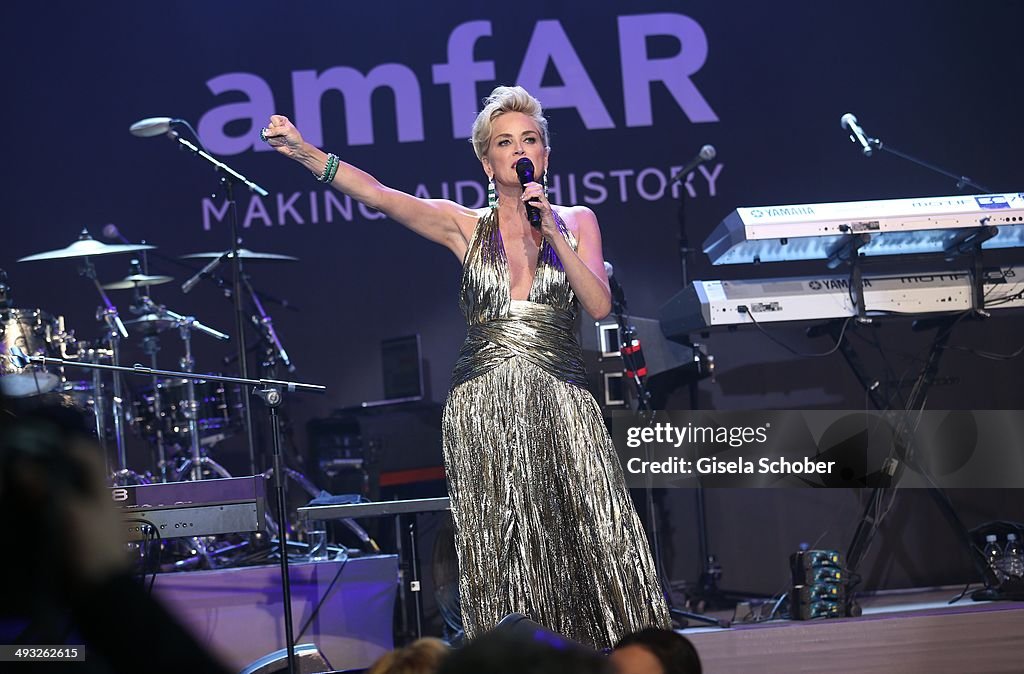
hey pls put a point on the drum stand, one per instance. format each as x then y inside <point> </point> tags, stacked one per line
<point>98,402</point>
<point>86,353</point>
<point>185,325</point>
<point>188,364</point>
<point>115,332</point>
<point>151,346</point>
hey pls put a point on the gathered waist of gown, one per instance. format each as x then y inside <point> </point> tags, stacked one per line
<point>540,333</point>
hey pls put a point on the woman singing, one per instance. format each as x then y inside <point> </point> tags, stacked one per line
<point>544,524</point>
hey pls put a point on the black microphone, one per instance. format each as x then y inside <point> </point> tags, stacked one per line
<point>618,296</point>
<point>112,232</point>
<point>203,273</point>
<point>857,135</point>
<point>524,169</point>
<point>707,153</point>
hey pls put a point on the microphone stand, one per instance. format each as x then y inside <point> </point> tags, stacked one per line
<point>684,239</point>
<point>961,181</point>
<point>632,364</point>
<point>709,570</point>
<point>270,391</point>
<point>228,178</point>
<point>707,153</point>
<point>226,171</point>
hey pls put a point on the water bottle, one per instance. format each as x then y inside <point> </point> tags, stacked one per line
<point>994,557</point>
<point>1013,558</point>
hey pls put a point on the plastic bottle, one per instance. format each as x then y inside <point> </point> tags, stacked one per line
<point>1013,558</point>
<point>994,557</point>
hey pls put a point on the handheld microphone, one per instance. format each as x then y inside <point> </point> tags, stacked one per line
<point>849,123</point>
<point>707,153</point>
<point>524,169</point>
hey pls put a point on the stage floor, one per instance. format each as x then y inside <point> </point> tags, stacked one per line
<point>906,631</point>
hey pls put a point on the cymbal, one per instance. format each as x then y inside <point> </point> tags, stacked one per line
<point>86,246</point>
<point>151,323</point>
<point>243,254</point>
<point>135,280</point>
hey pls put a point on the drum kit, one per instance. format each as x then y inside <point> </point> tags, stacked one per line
<point>179,414</point>
<point>180,418</point>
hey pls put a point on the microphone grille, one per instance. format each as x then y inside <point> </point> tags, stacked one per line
<point>149,127</point>
<point>524,169</point>
<point>846,120</point>
<point>708,152</point>
<point>110,231</point>
<point>609,270</point>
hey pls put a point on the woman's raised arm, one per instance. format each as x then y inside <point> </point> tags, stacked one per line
<point>439,220</point>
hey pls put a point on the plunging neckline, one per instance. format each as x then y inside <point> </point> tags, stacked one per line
<point>508,271</point>
<point>486,287</point>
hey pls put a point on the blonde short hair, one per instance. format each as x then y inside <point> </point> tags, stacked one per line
<point>502,100</point>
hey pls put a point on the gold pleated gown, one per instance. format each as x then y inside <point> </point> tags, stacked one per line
<point>544,523</point>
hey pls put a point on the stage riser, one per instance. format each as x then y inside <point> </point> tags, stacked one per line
<point>237,613</point>
<point>976,638</point>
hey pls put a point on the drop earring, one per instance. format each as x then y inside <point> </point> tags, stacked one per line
<point>492,196</point>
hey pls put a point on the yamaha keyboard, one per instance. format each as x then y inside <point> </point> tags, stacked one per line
<point>709,304</point>
<point>880,227</point>
<point>195,508</point>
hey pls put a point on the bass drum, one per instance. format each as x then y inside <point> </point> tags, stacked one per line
<point>32,331</point>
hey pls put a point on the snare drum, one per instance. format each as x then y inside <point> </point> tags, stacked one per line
<point>33,331</point>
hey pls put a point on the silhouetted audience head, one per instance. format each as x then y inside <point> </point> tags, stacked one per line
<point>423,656</point>
<point>514,652</point>
<point>655,651</point>
<point>68,581</point>
<point>53,502</point>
